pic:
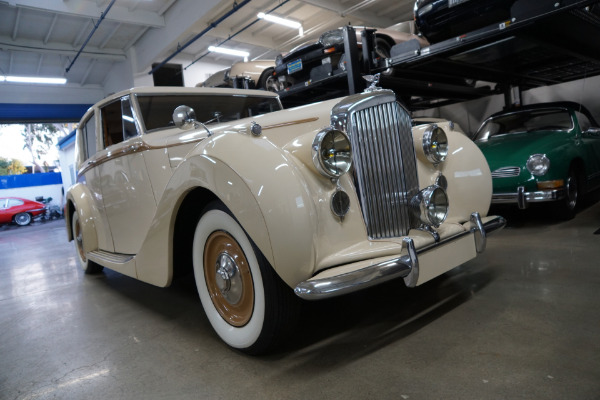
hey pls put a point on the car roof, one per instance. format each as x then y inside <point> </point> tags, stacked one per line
<point>572,105</point>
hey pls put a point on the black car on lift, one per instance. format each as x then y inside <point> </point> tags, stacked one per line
<point>439,20</point>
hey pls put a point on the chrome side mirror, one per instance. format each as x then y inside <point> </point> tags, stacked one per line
<point>184,117</point>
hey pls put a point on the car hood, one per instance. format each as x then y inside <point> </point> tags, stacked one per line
<point>514,149</point>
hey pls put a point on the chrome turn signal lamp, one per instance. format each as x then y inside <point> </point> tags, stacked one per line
<point>435,144</point>
<point>430,206</point>
<point>331,153</point>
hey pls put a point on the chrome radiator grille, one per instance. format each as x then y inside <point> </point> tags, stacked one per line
<point>385,168</point>
<point>506,172</point>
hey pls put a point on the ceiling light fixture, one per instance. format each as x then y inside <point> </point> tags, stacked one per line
<point>231,52</point>
<point>282,21</point>
<point>33,79</point>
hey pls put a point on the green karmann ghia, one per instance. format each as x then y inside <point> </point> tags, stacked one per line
<point>547,152</point>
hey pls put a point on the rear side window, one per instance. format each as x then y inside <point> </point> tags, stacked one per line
<point>118,123</point>
<point>89,136</point>
<point>14,203</point>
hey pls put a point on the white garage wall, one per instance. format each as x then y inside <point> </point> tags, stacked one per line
<point>470,115</point>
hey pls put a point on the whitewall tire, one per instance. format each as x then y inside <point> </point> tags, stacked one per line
<point>247,305</point>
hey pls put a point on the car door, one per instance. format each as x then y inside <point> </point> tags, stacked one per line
<point>127,194</point>
<point>88,173</point>
<point>590,139</point>
<point>5,217</point>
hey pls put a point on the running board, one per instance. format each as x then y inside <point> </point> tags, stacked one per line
<point>123,263</point>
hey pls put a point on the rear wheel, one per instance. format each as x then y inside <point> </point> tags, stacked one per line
<point>22,219</point>
<point>89,267</point>
<point>247,304</point>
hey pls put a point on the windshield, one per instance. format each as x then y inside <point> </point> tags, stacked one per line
<point>157,110</point>
<point>525,121</point>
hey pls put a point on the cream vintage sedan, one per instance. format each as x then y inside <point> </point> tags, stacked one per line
<point>264,203</point>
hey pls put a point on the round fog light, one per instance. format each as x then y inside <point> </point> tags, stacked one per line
<point>430,205</point>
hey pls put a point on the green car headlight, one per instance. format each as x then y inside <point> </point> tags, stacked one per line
<point>538,164</point>
<point>430,205</point>
<point>331,153</point>
<point>435,144</point>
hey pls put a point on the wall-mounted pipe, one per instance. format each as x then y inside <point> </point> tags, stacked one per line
<point>91,34</point>
<point>235,34</point>
<point>198,36</point>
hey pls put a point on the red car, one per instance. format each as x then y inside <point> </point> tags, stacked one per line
<point>19,211</point>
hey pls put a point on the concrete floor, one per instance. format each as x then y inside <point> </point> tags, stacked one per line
<point>520,322</point>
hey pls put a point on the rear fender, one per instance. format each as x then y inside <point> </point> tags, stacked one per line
<point>79,201</point>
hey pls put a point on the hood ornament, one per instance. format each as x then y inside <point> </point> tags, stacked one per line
<point>374,82</point>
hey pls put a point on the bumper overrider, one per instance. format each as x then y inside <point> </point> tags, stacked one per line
<point>523,198</point>
<point>406,266</point>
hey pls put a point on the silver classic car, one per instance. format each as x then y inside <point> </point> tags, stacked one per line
<point>268,206</point>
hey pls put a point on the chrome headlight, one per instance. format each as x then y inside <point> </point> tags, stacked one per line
<point>538,164</point>
<point>430,205</point>
<point>279,59</point>
<point>435,144</point>
<point>331,153</point>
<point>332,38</point>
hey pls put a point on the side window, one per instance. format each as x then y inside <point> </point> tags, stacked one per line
<point>117,122</point>
<point>89,137</point>
<point>584,122</point>
<point>14,203</point>
<point>3,203</point>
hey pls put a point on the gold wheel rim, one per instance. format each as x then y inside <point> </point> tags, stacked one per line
<point>228,278</point>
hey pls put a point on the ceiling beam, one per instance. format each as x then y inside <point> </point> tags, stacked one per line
<point>38,46</point>
<point>90,9</point>
<point>16,27</point>
<point>51,28</point>
<point>342,10</point>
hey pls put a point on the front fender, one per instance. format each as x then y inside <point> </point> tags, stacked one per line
<point>263,189</point>
<point>79,200</point>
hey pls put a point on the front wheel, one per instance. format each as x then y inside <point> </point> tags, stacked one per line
<point>23,219</point>
<point>247,304</point>
<point>566,208</point>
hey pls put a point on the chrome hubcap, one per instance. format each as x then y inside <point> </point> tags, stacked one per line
<point>228,278</point>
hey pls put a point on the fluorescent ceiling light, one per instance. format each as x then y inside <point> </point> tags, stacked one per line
<point>231,52</point>
<point>282,21</point>
<point>33,79</point>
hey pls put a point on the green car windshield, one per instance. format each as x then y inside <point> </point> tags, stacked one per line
<point>525,121</point>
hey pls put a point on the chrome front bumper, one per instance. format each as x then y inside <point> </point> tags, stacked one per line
<point>523,198</point>
<point>406,266</point>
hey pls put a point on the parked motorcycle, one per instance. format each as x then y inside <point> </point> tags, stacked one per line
<point>52,210</point>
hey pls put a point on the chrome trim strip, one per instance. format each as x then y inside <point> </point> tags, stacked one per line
<point>406,266</point>
<point>127,150</point>
<point>290,123</point>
